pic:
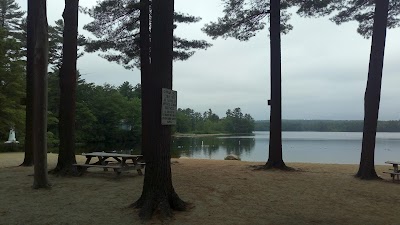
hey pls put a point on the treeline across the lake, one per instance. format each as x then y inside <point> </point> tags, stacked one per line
<point>235,122</point>
<point>328,125</point>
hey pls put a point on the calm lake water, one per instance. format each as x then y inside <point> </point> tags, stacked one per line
<point>315,147</point>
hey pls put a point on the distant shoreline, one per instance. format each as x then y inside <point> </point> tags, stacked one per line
<point>198,135</point>
<point>205,135</point>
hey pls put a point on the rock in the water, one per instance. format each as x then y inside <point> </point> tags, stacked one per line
<point>232,157</point>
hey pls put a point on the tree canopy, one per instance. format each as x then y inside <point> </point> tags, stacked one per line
<point>116,28</point>
<point>361,11</point>
<point>11,16</point>
<point>242,19</point>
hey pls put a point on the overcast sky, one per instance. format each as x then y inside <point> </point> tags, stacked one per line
<point>324,68</point>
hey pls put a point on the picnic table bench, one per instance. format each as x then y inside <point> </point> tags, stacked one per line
<point>396,172</point>
<point>115,161</point>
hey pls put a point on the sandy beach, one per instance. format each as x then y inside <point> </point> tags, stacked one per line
<point>222,192</point>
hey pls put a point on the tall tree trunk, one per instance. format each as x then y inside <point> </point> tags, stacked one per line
<point>158,192</point>
<point>30,42</point>
<point>373,91</point>
<point>145,70</point>
<point>275,135</point>
<point>68,84</point>
<point>39,112</point>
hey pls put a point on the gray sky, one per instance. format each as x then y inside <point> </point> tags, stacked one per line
<point>324,68</point>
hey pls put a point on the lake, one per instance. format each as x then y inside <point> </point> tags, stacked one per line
<point>314,147</point>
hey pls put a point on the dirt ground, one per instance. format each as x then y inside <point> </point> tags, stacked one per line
<point>222,192</point>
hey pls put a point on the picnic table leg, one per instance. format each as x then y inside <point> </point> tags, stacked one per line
<point>135,163</point>
<point>102,162</point>
<point>88,158</point>
<point>83,169</point>
<point>118,171</point>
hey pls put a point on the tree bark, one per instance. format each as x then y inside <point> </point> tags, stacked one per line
<point>373,91</point>
<point>145,70</point>
<point>68,84</point>
<point>275,159</point>
<point>30,42</point>
<point>158,192</point>
<point>39,109</point>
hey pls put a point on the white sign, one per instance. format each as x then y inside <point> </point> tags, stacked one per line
<point>168,107</point>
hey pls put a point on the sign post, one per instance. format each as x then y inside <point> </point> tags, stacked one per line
<point>168,107</point>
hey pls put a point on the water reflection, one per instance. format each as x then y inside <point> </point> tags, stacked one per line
<point>317,147</point>
<point>212,147</point>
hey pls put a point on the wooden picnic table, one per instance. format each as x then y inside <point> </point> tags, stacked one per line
<point>115,161</point>
<point>396,171</point>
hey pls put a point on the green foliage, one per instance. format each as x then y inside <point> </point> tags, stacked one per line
<point>361,11</point>
<point>116,28</point>
<point>10,16</point>
<point>189,121</point>
<point>56,44</point>
<point>236,122</point>
<point>12,86</point>
<point>127,90</point>
<point>104,114</point>
<point>242,19</point>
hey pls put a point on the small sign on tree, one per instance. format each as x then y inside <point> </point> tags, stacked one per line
<point>168,107</point>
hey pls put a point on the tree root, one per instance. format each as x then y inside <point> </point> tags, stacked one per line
<point>163,206</point>
<point>368,176</point>
<point>36,186</point>
<point>26,164</point>
<point>65,171</point>
<point>280,165</point>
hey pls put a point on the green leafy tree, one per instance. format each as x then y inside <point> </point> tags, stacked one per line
<point>237,123</point>
<point>129,91</point>
<point>56,37</point>
<point>183,122</point>
<point>12,85</point>
<point>12,24</point>
<point>116,27</point>
<point>11,17</point>
<point>104,115</point>
<point>86,119</point>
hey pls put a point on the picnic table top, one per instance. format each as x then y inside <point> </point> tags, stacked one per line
<point>392,162</point>
<point>106,154</point>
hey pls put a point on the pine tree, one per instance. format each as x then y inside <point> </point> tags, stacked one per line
<point>116,27</point>
<point>12,85</point>
<point>10,16</point>
<point>38,16</point>
<point>158,192</point>
<point>68,83</point>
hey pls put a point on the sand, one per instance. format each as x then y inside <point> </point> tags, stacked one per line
<point>222,192</point>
